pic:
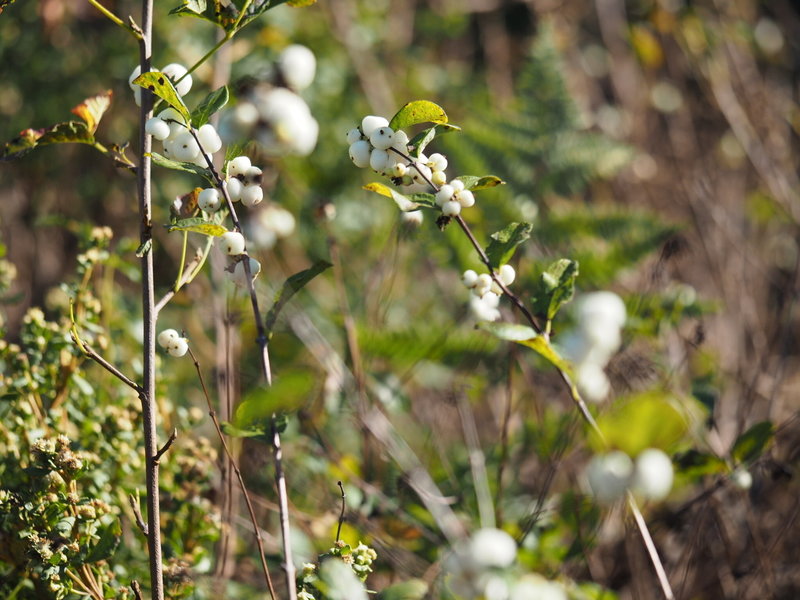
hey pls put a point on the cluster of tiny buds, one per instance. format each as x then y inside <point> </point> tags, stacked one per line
<point>485,291</point>
<point>179,140</point>
<point>173,343</point>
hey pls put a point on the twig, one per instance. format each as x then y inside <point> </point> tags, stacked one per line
<point>191,271</point>
<point>477,464</point>
<point>148,394</point>
<point>137,513</point>
<point>89,352</point>
<point>663,580</point>
<point>167,445</point>
<point>256,529</point>
<point>341,515</point>
<point>137,591</point>
<point>283,503</point>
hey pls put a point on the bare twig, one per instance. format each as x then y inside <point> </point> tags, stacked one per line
<point>167,445</point>
<point>190,272</point>
<point>137,591</point>
<point>89,352</point>
<point>341,515</point>
<point>283,503</point>
<point>137,513</point>
<point>663,580</point>
<point>256,529</point>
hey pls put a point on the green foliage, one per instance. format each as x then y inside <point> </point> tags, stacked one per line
<point>556,286</point>
<point>752,442</point>
<point>212,103</point>
<point>162,86</point>
<point>418,111</point>
<point>504,242</point>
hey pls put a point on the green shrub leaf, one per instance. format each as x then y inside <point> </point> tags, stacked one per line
<point>419,111</point>
<point>752,442</point>
<point>211,104</point>
<point>504,242</point>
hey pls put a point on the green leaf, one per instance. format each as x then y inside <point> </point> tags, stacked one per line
<point>289,391</point>
<point>752,442</point>
<point>253,431</point>
<point>413,589</point>
<point>419,111</point>
<point>696,464</point>
<point>404,203</point>
<point>211,104</point>
<point>168,163</point>
<point>420,141</point>
<point>69,132</point>
<point>289,288</point>
<point>144,248</point>
<point>161,86</point>
<point>556,286</point>
<point>504,243</point>
<point>526,336</point>
<point>197,225</point>
<point>647,420</point>
<point>109,540</point>
<point>471,182</point>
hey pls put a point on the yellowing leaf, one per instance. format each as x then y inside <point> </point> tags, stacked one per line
<point>403,202</point>
<point>197,225</point>
<point>161,86</point>
<point>92,109</point>
<point>419,111</point>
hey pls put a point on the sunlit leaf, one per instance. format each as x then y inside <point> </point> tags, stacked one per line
<point>289,391</point>
<point>527,336</point>
<point>504,242</point>
<point>419,111</point>
<point>404,203</point>
<point>420,141</point>
<point>197,225</point>
<point>471,182</point>
<point>92,109</point>
<point>752,442</point>
<point>211,104</point>
<point>556,286</point>
<point>162,86</point>
<point>168,163</point>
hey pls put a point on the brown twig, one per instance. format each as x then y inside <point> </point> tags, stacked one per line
<point>167,445</point>
<point>137,591</point>
<point>256,530</point>
<point>89,352</point>
<point>137,513</point>
<point>341,515</point>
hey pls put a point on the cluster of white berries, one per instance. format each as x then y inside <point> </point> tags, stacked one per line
<point>452,197</point>
<point>175,71</point>
<point>170,128</point>
<point>479,569</point>
<point>486,293</point>
<point>610,475</point>
<point>173,343</point>
<point>277,117</point>
<point>243,181</point>
<point>600,317</point>
<point>267,226</point>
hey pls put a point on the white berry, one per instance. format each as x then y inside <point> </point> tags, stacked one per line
<point>234,187</point>
<point>653,475</point>
<point>175,72</point>
<point>609,475</point>
<point>209,200</point>
<point>437,162</point>
<point>469,278</point>
<point>353,135</point>
<point>457,185</point>
<point>185,148</point>
<point>238,166</point>
<point>157,128</point>
<point>399,169</point>
<point>232,243</point>
<point>253,176</point>
<point>371,122</point>
<point>400,141</point>
<point>451,208</point>
<point>506,274</point>
<point>167,336</point>
<point>382,138</point>
<point>239,276</point>
<point>421,173</point>
<point>483,285</point>
<point>252,195</point>
<point>438,178</point>
<point>178,347</point>
<point>209,138</point>
<point>445,194</point>
<point>465,198</point>
<point>297,64</point>
<point>379,160</point>
<point>360,153</point>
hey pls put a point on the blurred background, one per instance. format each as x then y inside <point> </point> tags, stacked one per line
<point>654,141</point>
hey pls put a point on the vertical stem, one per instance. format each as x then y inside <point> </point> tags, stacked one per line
<point>283,504</point>
<point>148,315</point>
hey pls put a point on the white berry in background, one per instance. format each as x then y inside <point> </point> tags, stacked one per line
<point>298,66</point>
<point>536,587</point>
<point>379,160</point>
<point>609,475</point>
<point>185,148</point>
<point>177,347</point>
<point>437,162</point>
<point>382,138</point>
<point>209,200</point>
<point>444,194</point>
<point>175,72</point>
<point>137,70</point>
<point>157,128</point>
<point>234,187</point>
<point>238,166</point>
<point>209,138</point>
<point>252,195</point>
<point>360,153</point>
<point>167,336</point>
<point>492,548</point>
<point>371,122</point>
<point>602,305</point>
<point>592,382</point>
<point>438,178</point>
<point>451,208</point>
<point>413,218</point>
<point>465,198</point>
<point>469,278</point>
<point>653,474</point>
<point>353,135</point>
<point>232,243</point>
<point>491,299</point>
<point>742,478</point>
<point>239,276</point>
<point>506,274</point>
<point>484,284</point>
